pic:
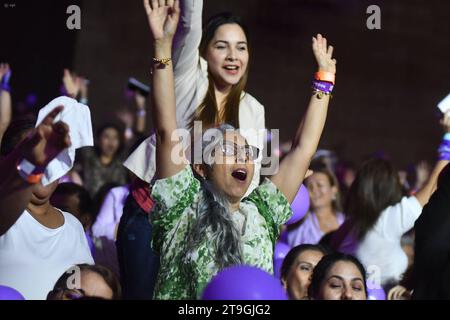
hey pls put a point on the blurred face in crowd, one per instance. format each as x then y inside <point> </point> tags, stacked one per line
<point>109,142</point>
<point>343,281</point>
<point>299,276</point>
<point>349,177</point>
<point>321,192</point>
<point>227,55</point>
<point>71,203</point>
<point>68,203</point>
<point>94,285</point>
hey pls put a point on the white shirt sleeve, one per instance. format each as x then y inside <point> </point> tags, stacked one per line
<point>397,219</point>
<point>110,212</point>
<point>185,53</point>
<point>188,71</point>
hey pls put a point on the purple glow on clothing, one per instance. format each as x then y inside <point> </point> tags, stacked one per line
<point>309,231</point>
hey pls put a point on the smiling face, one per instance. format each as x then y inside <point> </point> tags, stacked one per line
<point>299,276</point>
<point>321,192</point>
<point>343,281</point>
<point>227,55</point>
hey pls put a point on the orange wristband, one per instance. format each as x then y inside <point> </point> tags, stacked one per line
<point>34,178</point>
<point>325,76</point>
<point>26,171</point>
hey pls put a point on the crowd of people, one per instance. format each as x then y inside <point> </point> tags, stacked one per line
<point>132,215</point>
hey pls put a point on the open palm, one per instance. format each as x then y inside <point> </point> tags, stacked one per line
<point>163,16</point>
<point>323,54</point>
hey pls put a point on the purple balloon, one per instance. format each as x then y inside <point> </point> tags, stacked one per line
<point>375,291</point>
<point>300,205</point>
<point>280,251</point>
<point>7,293</point>
<point>244,283</point>
<point>277,264</point>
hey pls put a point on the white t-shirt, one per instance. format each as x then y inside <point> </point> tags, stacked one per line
<point>33,257</point>
<point>380,250</point>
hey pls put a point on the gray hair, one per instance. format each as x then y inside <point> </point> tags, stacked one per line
<point>213,215</point>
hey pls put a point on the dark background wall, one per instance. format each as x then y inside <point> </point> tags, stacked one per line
<point>388,81</point>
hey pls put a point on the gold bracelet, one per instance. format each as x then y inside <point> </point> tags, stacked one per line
<point>162,61</point>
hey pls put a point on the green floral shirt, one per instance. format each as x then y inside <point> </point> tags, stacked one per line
<point>184,276</point>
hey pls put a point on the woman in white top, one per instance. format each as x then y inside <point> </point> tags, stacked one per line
<point>210,78</point>
<point>38,242</point>
<point>378,216</point>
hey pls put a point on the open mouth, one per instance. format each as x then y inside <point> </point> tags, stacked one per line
<point>240,174</point>
<point>231,69</point>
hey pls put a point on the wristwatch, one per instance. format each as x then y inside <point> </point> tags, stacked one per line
<point>29,172</point>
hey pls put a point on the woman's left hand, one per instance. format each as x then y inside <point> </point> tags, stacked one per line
<point>323,54</point>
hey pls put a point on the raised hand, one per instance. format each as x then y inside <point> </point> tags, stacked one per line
<point>323,54</point>
<point>4,69</point>
<point>72,83</point>
<point>47,140</point>
<point>163,16</point>
<point>140,100</point>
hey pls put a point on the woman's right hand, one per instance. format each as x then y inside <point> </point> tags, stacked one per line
<point>47,140</point>
<point>163,16</point>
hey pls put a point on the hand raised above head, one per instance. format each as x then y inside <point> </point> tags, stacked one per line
<point>72,83</point>
<point>323,54</point>
<point>47,140</point>
<point>4,69</point>
<point>163,16</point>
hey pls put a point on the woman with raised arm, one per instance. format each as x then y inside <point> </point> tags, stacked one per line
<point>38,242</point>
<point>378,215</point>
<point>211,70</point>
<point>201,223</point>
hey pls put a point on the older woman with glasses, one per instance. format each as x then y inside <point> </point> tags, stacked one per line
<point>201,222</point>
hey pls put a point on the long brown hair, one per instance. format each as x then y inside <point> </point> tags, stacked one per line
<point>207,111</point>
<point>375,188</point>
